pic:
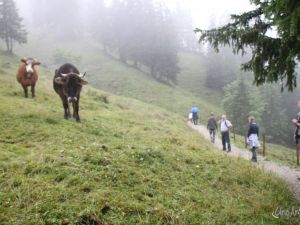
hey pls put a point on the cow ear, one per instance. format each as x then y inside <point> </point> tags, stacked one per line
<point>37,63</point>
<point>59,80</point>
<point>83,82</point>
<point>23,60</point>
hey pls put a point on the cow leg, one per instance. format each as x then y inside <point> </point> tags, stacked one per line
<point>33,90</point>
<point>66,108</point>
<point>25,91</point>
<point>69,112</point>
<point>75,111</point>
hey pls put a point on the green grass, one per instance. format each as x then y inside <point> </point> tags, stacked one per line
<point>110,75</point>
<point>127,162</point>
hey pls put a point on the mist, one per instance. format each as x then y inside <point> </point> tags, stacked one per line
<point>149,36</point>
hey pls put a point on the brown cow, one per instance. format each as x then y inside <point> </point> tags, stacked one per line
<point>27,75</point>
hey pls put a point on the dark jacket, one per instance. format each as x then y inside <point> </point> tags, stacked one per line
<point>297,131</point>
<point>212,124</point>
<point>195,115</point>
<point>253,129</point>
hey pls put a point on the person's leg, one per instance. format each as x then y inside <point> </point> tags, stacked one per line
<point>223,141</point>
<point>213,135</point>
<point>194,118</point>
<point>254,158</point>
<point>297,137</point>
<point>228,141</point>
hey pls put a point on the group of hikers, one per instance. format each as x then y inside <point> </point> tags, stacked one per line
<point>226,125</point>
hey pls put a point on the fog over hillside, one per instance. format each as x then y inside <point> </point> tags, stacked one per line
<point>149,35</point>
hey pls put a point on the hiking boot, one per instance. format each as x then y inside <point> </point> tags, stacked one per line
<point>254,160</point>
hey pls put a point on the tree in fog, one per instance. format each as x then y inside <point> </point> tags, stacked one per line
<point>11,27</point>
<point>123,20</point>
<point>184,29</point>
<point>162,47</point>
<point>143,32</point>
<point>99,24</point>
<point>274,58</point>
<point>220,69</point>
<point>274,119</point>
<point>240,102</point>
<point>62,19</point>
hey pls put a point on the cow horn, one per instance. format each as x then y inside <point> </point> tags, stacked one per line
<point>82,75</point>
<point>64,74</point>
<point>24,60</point>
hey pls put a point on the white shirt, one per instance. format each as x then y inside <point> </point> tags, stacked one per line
<point>225,125</point>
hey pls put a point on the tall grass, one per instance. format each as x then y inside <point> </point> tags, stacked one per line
<point>127,162</point>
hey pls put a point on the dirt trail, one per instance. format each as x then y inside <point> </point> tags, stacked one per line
<point>290,176</point>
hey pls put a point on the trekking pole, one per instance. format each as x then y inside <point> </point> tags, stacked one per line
<point>264,145</point>
<point>297,153</point>
<point>246,144</point>
<point>233,135</point>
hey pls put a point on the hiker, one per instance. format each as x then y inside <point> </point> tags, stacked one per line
<point>225,127</point>
<point>212,126</point>
<point>252,140</point>
<point>296,121</point>
<point>195,115</point>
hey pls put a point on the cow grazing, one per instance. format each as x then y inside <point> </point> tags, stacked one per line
<point>67,83</point>
<point>27,75</point>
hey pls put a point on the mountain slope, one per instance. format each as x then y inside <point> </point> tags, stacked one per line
<point>126,163</point>
<point>107,73</point>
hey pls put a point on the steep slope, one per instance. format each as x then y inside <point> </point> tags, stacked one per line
<point>126,163</point>
<point>107,73</point>
<point>192,78</point>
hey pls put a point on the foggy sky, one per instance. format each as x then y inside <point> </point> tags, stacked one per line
<point>203,11</point>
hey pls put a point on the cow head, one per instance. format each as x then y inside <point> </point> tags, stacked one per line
<point>72,84</point>
<point>30,63</point>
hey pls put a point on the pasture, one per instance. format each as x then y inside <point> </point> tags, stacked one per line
<point>127,162</point>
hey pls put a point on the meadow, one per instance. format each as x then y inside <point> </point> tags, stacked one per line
<point>127,162</point>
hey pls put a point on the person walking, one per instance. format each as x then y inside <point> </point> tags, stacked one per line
<point>252,140</point>
<point>225,127</point>
<point>195,115</point>
<point>212,126</point>
<point>296,121</point>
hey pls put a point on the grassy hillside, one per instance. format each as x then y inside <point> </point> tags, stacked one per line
<point>108,74</point>
<point>127,162</point>
<point>192,78</point>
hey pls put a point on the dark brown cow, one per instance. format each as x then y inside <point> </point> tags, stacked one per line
<point>67,83</point>
<point>27,75</point>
